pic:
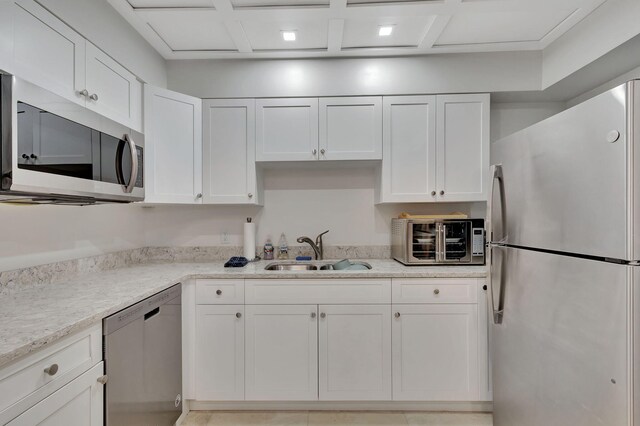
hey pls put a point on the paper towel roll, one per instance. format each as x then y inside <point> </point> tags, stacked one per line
<point>250,240</point>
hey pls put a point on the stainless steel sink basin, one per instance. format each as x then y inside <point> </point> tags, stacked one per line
<point>290,267</point>
<point>355,265</point>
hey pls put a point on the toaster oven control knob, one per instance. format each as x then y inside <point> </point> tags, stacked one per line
<point>397,315</point>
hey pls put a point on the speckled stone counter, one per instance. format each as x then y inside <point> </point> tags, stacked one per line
<point>35,315</point>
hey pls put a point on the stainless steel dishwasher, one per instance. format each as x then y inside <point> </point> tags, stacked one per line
<point>143,361</point>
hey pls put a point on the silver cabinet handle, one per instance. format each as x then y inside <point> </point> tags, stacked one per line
<point>218,292</point>
<point>314,152</point>
<point>198,195</point>
<point>397,315</point>
<point>250,195</point>
<point>322,151</point>
<point>83,92</point>
<point>436,291</point>
<point>323,315</point>
<point>313,314</point>
<point>238,315</point>
<point>103,379</point>
<point>51,370</point>
<point>93,97</point>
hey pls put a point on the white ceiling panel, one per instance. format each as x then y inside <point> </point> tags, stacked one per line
<point>407,31</point>
<point>191,30</point>
<point>149,4</point>
<point>278,3</point>
<point>496,27</point>
<point>267,35</point>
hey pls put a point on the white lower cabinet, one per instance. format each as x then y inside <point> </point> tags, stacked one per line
<point>78,403</point>
<point>219,353</point>
<point>354,352</point>
<point>281,352</point>
<point>435,352</point>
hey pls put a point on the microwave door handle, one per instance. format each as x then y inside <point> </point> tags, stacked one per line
<point>443,231</point>
<point>134,164</point>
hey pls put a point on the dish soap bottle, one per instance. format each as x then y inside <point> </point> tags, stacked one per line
<point>268,250</point>
<point>283,248</point>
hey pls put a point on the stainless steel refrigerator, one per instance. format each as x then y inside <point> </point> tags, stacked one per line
<point>564,232</point>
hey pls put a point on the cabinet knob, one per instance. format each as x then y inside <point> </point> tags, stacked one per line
<point>484,287</point>
<point>436,291</point>
<point>433,193</point>
<point>250,195</point>
<point>103,379</point>
<point>441,192</point>
<point>323,315</point>
<point>397,315</point>
<point>313,314</point>
<point>33,156</point>
<point>25,156</point>
<point>322,151</point>
<point>199,195</point>
<point>83,92</point>
<point>218,292</point>
<point>238,315</point>
<point>51,370</point>
<point>93,97</point>
<point>314,152</point>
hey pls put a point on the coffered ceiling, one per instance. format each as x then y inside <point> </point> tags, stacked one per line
<point>197,29</point>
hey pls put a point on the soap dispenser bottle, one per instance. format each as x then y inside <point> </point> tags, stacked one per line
<point>268,250</point>
<point>283,248</point>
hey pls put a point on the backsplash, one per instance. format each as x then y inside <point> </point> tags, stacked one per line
<point>58,271</point>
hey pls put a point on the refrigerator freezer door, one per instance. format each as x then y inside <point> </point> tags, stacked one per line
<point>559,357</point>
<point>566,183</point>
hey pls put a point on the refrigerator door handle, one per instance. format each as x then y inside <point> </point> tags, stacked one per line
<point>495,313</point>
<point>496,174</point>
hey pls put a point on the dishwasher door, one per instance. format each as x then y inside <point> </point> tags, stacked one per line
<point>143,362</point>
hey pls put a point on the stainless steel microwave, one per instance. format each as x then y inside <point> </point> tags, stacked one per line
<point>58,152</point>
<point>446,242</point>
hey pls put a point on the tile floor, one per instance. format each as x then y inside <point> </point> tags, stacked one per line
<point>335,418</point>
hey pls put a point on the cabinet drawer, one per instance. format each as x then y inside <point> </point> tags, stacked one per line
<point>219,292</point>
<point>25,382</point>
<point>431,290</point>
<point>315,291</point>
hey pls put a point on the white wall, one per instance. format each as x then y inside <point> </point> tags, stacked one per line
<point>297,202</point>
<point>446,73</point>
<point>99,23</point>
<point>34,235</point>
<point>509,117</point>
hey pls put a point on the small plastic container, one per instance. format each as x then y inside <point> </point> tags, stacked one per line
<point>283,248</point>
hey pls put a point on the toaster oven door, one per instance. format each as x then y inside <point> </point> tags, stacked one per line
<point>456,241</point>
<point>422,242</point>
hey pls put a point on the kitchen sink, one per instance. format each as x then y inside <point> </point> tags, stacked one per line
<point>355,265</point>
<point>290,267</point>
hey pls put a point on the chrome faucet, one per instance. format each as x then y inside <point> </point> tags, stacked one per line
<point>317,246</point>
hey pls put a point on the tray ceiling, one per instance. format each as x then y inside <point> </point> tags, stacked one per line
<point>197,29</point>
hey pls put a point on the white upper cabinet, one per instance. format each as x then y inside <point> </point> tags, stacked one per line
<point>354,352</point>
<point>351,128</point>
<point>409,149</point>
<point>287,129</point>
<point>113,91</point>
<point>47,52</point>
<point>6,35</point>
<point>229,166</point>
<point>463,147</point>
<point>173,147</point>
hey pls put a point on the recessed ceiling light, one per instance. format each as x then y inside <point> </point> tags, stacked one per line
<point>289,35</point>
<point>385,30</point>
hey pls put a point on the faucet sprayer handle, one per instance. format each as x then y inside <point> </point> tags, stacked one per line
<point>319,237</point>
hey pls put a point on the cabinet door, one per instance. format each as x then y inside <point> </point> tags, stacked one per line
<point>287,129</point>
<point>6,35</point>
<point>463,147</point>
<point>281,359</point>
<point>354,352</point>
<point>173,147</point>
<point>113,91</point>
<point>351,128</point>
<point>79,403</point>
<point>229,149</point>
<point>484,344</point>
<point>219,353</point>
<point>47,52</point>
<point>409,149</point>
<point>435,352</point>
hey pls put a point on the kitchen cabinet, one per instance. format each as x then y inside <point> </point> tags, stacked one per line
<point>281,358</point>
<point>173,147</point>
<point>435,148</point>
<point>47,52</point>
<point>409,149</point>
<point>79,403</point>
<point>354,352</point>
<point>435,352</point>
<point>6,35</point>
<point>219,352</point>
<point>462,147</point>
<point>287,129</point>
<point>229,149</point>
<point>113,91</point>
<point>350,128</point>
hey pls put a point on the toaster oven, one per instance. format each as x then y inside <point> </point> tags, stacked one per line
<point>438,241</point>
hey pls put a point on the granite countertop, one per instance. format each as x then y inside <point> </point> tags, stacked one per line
<point>36,315</point>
